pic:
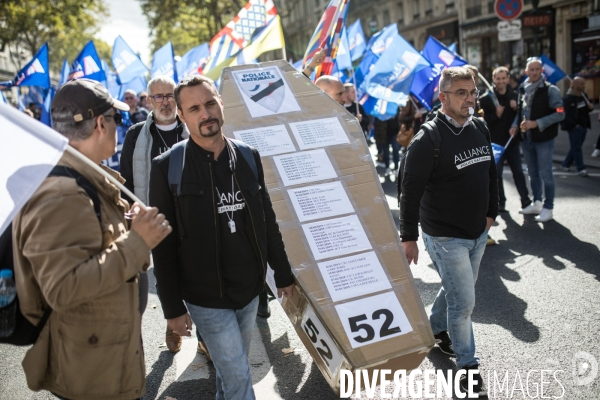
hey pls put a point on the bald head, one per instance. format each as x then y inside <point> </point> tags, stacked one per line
<point>333,87</point>
<point>578,84</point>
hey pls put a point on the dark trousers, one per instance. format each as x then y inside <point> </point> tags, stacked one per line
<point>391,141</point>
<point>513,157</point>
<point>576,138</point>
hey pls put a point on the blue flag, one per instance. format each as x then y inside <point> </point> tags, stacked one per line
<point>128,65</point>
<point>425,83</point>
<point>3,98</point>
<point>163,62</point>
<point>452,47</point>
<point>378,108</point>
<point>375,48</point>
<point>342,58</point>
<point>138,85</point>
<point>20,103</point>
<point>552,72</point>
<point>35,95</point>
<point>192,61</point>
<point>498,151</point>
<point>87,64</point>
<point>35,73</point>
<point>356,40</point>
<point>339,73</point>
<point>46,118</point>
<point>298,65</point>
<point>112,83</point>
<point>392,76</point>
<point>64,73</point>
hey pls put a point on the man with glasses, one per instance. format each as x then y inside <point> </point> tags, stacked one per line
<point>540,111</point>
<point>449,185</point>
<point>146,140</point>
<point>136,112</point>
<point>86,271</point>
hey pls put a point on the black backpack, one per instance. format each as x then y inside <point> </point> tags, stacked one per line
<point>430,128</point>
<point>24,333</point>
<point>176,165</point>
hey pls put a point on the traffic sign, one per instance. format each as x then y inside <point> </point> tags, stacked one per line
<point>509,30</point>
<point>508,9</point>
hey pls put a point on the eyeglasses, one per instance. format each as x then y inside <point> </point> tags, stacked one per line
<point>462,94</point>
<point>117,117</point>
<point>159,97</point>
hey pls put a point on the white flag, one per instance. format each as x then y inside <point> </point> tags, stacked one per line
<point>28,152</point>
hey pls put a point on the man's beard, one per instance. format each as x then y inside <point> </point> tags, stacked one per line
<point>161,117</point>
<point>211,133</point>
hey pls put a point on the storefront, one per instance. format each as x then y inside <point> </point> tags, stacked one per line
<point>586,52</point>
<point>446,33</point>
<point>481,46</point>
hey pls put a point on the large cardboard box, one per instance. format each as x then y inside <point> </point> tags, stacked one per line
<point>357,305</point>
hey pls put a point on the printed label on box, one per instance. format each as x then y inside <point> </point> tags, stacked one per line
<point>321,341</point>
<point>304,167</point>
<point>269,140</point>
<point>319,133</point>
<point>354,276</point>
<point>373,319</point>
<point>336,237</point>
<point>320,201</point>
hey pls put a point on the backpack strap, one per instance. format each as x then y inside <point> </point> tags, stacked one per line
<point>247,154</point>
<point>176,165</point>
<point>82,181</point>
<point>481,127</point>
<point>434,134</point>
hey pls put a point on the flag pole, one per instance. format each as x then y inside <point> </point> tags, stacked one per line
<point>71,150</point>
<point>284,55</point>
<point>492,94</point>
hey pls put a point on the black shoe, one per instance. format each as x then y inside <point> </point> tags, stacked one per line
<point>442,340</point>
<point>479,388</point>
<point>263,305</point>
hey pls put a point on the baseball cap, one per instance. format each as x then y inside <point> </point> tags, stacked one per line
<point>86,99</point>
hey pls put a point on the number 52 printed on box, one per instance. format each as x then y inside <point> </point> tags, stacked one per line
<point>373,319</point>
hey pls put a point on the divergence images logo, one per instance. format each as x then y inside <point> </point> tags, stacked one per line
<point>585,368</point>
<point>265,87</point>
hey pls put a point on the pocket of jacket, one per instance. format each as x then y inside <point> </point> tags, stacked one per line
<point>91,356</point>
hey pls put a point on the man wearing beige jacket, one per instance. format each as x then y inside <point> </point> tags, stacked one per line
<point>86,271</point>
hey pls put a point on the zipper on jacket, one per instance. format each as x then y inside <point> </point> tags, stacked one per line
<point>212,190</point>
<point>262,261</point>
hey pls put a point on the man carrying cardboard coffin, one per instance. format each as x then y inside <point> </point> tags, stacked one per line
<point>213,267</point>
<point>449,185</point>
<point>333,87</point>
<point>82,270</point>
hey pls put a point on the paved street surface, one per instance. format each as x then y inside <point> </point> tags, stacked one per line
<point>538,308</point>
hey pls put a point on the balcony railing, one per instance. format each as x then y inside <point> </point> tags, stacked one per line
<point>474,11</point>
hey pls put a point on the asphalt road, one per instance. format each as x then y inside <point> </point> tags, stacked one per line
<point>537,309</point>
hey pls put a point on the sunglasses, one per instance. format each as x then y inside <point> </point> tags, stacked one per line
<point>117,117</point>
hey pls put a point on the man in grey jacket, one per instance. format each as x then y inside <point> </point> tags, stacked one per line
<point>540,110</point>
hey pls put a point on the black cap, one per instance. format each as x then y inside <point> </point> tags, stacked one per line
<point>86,99</point>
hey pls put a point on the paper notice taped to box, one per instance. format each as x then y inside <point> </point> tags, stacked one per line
<point>336,237</point>
<point>269,140</point>
<point>320,201</point>
<point>304,167</point>
<point>265,91</point>
<point>321,341</point>
<point>373,319</point>
<point>354,276</point>
<point>319,133</point>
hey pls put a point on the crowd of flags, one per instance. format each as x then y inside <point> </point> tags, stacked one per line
<point>386,70</point>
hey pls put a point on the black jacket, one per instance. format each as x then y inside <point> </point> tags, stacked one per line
<point>364,124</point>
<point>190,269</point>
<point>499,126</point>
<point>576,112</point>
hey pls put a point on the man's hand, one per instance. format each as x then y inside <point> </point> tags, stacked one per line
<point>590,106</point>
<point>359,117</point>
<point>513,131</point>
<point>488,223</point>
<point>412,251</point>
<point>286,291</point>
<point>527,125</point>
<point>151,226</point>
<point>182,324</point>
<point>418,114</point>
<point>499,111</point>
<point>513,104</point>
<point>317,59</point>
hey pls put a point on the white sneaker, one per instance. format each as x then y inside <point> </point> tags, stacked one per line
<point>534,208</point>
<point>545,215</point>
<point>583,173</point>
<point>388,172</point>
<point>596,153</point>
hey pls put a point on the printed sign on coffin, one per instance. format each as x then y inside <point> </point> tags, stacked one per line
<point>336,224</point>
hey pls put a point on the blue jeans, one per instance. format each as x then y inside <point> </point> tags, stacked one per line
<point>576,138</point>
<point>513,157</point>
<point>227,334</point>
<point>391,141</point>
<point>457,261</point>
<point>538,157</point>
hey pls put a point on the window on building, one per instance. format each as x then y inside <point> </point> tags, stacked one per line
<point>428,8</point>
<point>386,18</point>
<point>450,6</point>
<point>400,13</point>
<point>416,12</point>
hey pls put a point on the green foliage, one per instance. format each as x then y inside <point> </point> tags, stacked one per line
<point>187,24</point>
<point>67,25</point>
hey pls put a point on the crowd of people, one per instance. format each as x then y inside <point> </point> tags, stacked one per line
<point>210,228</point>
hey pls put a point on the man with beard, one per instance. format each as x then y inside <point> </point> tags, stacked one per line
<point>212,270</point>
<point>145,141</point>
